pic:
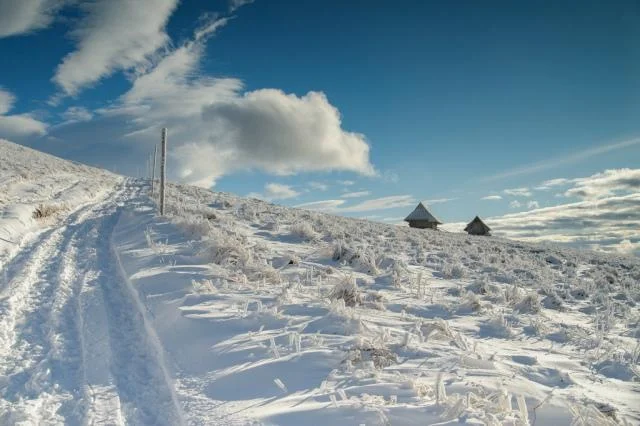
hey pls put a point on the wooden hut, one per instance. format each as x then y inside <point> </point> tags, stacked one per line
<point>477,227</point>
<point>421,218</point>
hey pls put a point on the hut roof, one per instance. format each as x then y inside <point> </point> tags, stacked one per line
<point>421,213</point>
<point>477,220</point>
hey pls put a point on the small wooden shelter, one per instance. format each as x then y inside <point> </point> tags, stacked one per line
<point>421,218</point>
<point>477,227</point>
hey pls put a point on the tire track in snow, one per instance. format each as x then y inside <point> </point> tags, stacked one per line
<point>40,368</point>
<point>74,342</point>
<point>146,394</point>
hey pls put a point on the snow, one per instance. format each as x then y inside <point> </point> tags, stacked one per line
<point>233,311</point>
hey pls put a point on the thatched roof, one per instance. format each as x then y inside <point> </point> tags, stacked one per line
<point>421,213</point>
<point>477,223</point>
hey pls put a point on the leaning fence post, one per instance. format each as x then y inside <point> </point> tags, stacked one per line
<point>163,169</point>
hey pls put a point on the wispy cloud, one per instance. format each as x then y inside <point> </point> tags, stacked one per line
<point>382,203</point>
<point>518,192</point>
<point>336,206</point>
<point>276,191</point>
<point>113,35</point>
<point>77,113</point>
<point>319,186</point>
<point>552,183</point>
<point>237,4</point>
<point>25,16</point>
<point>323,205</point>
<point>611,223</point>
<point>438,201</point>
<point>605,184</point>
<point>17,126</point>
<point>492,197</point>
<point>355,194</point>
<point>533,205</point>
<point>552,163</point>
<point>515,204</point>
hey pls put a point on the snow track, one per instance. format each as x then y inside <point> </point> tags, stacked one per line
<point>75,347</point>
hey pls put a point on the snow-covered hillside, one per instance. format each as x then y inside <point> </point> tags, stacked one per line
<point>232,311</point>
<point>34,187</point>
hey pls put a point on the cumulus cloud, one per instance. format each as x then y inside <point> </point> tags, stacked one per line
<point>17,126</point>
<point>515,204</point>
<point>518,192</point>
<point>492,197</point>
<point>24,16</point>
<point>355,194</point>
<point>283,134</point>
<point>113,35</point>
<point>533,205</point>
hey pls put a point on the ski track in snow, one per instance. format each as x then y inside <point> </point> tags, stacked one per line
<point>74,345</point>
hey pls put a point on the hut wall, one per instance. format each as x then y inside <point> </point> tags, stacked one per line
<point>423,224</point>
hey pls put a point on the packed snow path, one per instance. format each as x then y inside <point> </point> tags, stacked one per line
<point>75,347</point>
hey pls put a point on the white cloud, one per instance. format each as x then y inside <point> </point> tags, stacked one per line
<point>605,223</point>
<point>277,191</point>
<point>605,184</point>
<point>518,192</point>
<point>554,162</point>
<point>236,4</point>
<point>17,126</point>
<point>7,99</point>
<point>24,16</point>
<point>438,201</point>
<point>215,128</point>
<point>336,206</point>
<point>382,203</point>
<point>323,205</point>
<point>533,205</point>
<point>113,35</point>
<point>552,183</point>
<point>319,186</point>
<point>77,113</point>
<point>492,197</point>
<point>515,204</point>
<point>346,182</point>
<point>355,194</point>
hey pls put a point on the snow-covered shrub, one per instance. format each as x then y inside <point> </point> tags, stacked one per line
<point>529,303</point>
<point>44,211</point>
<point>304,230</point>
<point>453,271</point>
<point>470,302</point>
<point>498,326</point>
<point>375,353</point>
<point>346,290</point>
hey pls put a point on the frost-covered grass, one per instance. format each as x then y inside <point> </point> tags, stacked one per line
<point>399,326</point>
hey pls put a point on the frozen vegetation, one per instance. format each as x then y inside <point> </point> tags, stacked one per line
<point>232,311</point>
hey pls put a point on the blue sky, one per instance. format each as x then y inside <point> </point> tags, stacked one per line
<point>359,110</point>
